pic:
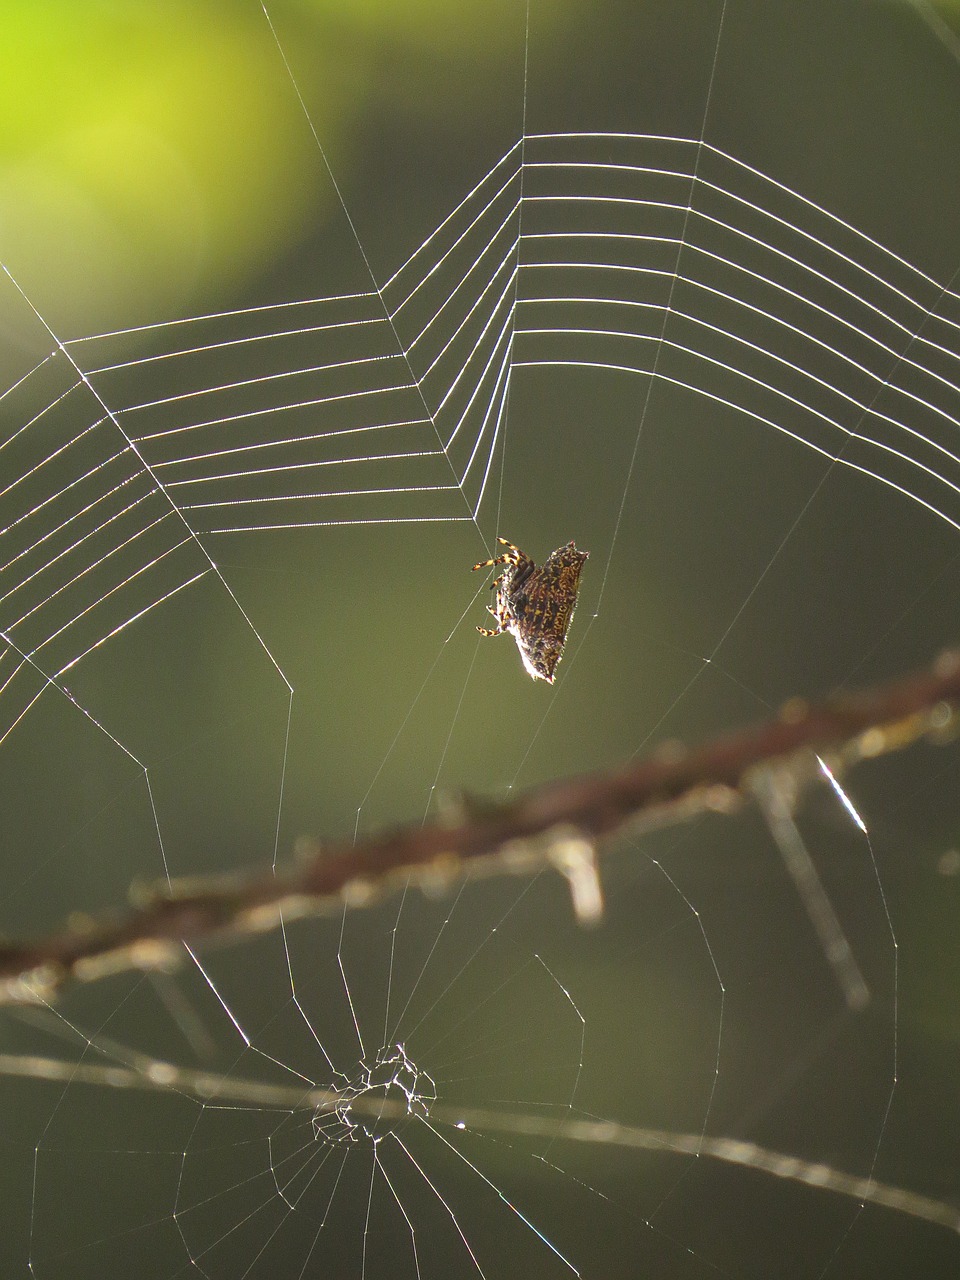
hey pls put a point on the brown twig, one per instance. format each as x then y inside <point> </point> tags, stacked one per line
<point>557,824</point>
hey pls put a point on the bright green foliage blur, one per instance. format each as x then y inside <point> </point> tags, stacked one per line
<point>144,151</point>
<point>154,152</point>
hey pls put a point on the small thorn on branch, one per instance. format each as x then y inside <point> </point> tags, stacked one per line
<point>575,857</point>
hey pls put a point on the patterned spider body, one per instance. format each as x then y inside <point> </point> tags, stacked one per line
<point>535,603</point>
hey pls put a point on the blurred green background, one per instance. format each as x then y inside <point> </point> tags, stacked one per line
<point>156,162</point>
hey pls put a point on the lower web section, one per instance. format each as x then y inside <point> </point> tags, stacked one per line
<point>323,1155</point>
<point>467,1083</point>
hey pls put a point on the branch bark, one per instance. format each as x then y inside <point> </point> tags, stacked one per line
<point>560,823</point>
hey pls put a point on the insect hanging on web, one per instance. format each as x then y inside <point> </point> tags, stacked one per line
<point>535,603</point>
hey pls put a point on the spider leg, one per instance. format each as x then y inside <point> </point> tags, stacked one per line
<point>488,564</point>
<point>499,628</point>
<point>513,555</point>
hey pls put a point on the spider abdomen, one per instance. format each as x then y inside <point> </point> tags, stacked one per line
<point>535,604</point>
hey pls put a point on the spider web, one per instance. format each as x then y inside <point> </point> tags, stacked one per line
<point>235,608</point>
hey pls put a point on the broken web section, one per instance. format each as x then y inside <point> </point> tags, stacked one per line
<point>368,1178</point>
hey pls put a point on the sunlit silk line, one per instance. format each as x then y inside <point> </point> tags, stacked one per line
<point>757,173</point>
<point>44,360</point>
<point>437,938</point>
<point>882,383</point>
<point>759,242</point>
<point>768,422</point>
<point>722,1003</point>
<point>775,805</point>
<point>841,356</point>
<point>239,1029</point>
<point>182,1212</point>
<point>366,1220</point>
<point>494,309</point>
<point>243,448</point>
<point>50,457</point>
<point>310,497</point>
<point>8,653</point>
<point>261,379</point>
<point>306,1156</point>
<point>742,269</point>
<point>435,266</point>
<point>728,368</point>
<point>848,432</point>
<point>456,210</point>
<point>273,410</point>
<point>895,1030</point>
<point>207,347</point>
<point>279,468</point>
<point>147,468</point>
<point>694,248</point>
<point>31,512</point>
<point>840,222</point>
<point>464,966</point>
<point>842,795</point>
<point>306,438</point>
<point>665,320</point>
<point>306,466</point>
<point>51,681</point>
<point>144,568</point>
<point>597,1133</point>
<point>336,524</point>
<point>504,298</point>
<point>462,281</point>
<point>503,412</point>
<point>509,1203</point>
<point>346,984</point>
<point>498,399</point>
<point>502,343</point>
<point>386,1037</point>
<point>736,338</point>
<point>36,697</point>
<point>781,323</point>
<point>401,349</point>
<point>97,530</point>
<point>87,568</point>
<point>865,409</point>
<point>501,419</point>
<point>77,515</point>
<point>310,1152</point>
<point>263,307</point>
<point>135,617</point>
<point>426,679</point>
<point>453,1217</point>
<point>684,176</point>
<point>406,1217</point>
<point>852,262</point>
<point>741,200</point>
<point>583,1022</point>
<point>899,356</point>
<point>47,408</point>
<point>295,995</point>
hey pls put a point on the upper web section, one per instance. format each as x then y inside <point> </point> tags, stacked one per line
<point>563,254</point>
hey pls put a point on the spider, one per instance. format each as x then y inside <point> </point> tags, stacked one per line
<point>535,603</point>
